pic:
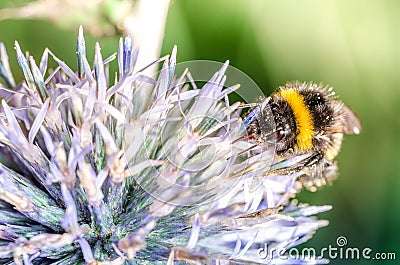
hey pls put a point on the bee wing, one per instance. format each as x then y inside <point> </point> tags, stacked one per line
<point>352,123</point>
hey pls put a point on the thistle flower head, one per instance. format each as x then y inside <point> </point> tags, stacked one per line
<point>143,169</point>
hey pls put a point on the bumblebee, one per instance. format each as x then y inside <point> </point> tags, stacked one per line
<point>308,119</point>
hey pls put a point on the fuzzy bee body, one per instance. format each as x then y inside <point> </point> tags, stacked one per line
<point>307,119</point>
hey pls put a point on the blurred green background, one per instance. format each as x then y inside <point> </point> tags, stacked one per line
<point>353,46</point>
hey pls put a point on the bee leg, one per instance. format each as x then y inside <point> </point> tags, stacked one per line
<point>314,159</point>
<point>318,171</point>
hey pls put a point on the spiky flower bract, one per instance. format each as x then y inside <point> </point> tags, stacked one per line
<point>140,170</point>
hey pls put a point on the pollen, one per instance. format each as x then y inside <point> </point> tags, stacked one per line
<point>303,117</point>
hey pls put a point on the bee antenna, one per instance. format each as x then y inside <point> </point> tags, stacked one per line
<point>246,150</point>
<point>242,138</point>
<point>250,105</point>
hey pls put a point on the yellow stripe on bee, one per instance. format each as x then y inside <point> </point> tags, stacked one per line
<point>303,117</point>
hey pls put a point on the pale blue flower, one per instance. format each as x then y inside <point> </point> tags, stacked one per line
<point>140,170</point>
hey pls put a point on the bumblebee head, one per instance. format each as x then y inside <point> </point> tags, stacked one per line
<point>285,125</point>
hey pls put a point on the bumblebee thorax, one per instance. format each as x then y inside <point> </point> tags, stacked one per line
<point>300,115</point>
